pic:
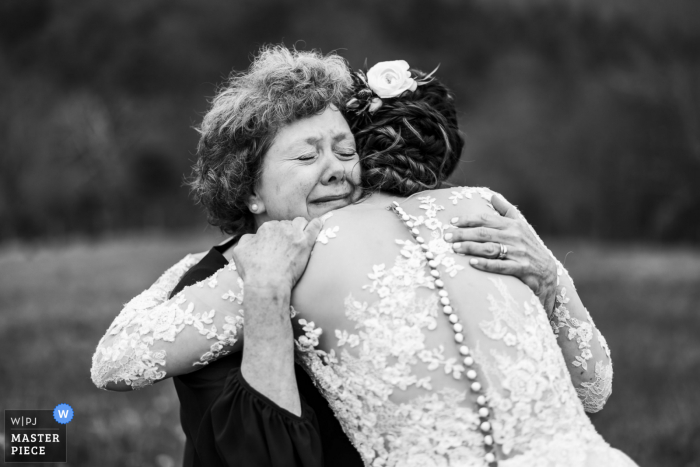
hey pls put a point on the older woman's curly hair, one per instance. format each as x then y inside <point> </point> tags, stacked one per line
<point>281,86</point>
<point>412,142</point>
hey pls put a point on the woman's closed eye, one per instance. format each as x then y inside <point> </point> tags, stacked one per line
<point>307,157</point>
<point>346,152</point>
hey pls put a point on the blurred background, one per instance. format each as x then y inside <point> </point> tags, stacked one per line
<point>586,114</point>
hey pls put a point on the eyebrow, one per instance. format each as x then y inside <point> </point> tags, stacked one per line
<point>314,140</point>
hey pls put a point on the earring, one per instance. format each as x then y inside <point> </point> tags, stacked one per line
<point>254,207</point>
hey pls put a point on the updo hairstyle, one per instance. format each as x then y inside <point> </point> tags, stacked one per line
<point>412,142</point>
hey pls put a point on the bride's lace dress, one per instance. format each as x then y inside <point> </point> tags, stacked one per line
<point>387,363</point>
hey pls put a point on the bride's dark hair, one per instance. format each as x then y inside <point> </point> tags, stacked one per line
<point>412,142</point>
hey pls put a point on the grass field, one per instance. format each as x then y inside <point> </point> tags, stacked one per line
<point>56,302</point>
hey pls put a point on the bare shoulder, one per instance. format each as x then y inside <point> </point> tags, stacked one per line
<point>449,202</point>
<point>377,225</point>
<point>347,233</point>
<point>351,243</point>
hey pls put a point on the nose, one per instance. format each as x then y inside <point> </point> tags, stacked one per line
<point>334,172</point>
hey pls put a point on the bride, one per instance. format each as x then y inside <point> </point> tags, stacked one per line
<point>428,361</point>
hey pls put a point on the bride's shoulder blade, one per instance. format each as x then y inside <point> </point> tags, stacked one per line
<point>354,241</point>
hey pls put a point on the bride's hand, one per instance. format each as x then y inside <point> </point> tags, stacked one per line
<point>277,254</point>
<point>527,258</point>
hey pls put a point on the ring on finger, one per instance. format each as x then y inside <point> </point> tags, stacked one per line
<point>504,251</point>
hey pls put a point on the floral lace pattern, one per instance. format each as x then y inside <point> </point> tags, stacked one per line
<point>126,352</point>
<point>537,402</point>
<point>538,419</point>
<point>389,341</point>
<point>327,234</point>
<point>593,394</point>
<point>466,192</point>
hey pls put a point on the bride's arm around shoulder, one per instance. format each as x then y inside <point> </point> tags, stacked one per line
<point>139,347</point>
<point>586,352</point>
<point>583,346</point>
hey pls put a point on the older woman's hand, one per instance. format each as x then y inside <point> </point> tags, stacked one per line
<point>527,258</point>
<point>270,264</point>
<point>277,254</point>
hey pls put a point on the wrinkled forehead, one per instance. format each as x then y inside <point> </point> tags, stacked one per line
<point>313,131</point>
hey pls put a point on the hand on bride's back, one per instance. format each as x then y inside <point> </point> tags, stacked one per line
<point>277,254</point>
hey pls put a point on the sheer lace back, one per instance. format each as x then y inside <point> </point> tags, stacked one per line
<point>389,367</point>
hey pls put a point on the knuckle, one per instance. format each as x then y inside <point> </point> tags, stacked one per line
<point>510,224</point>
<point>513,238</point>
<point>466,248</point>
<point>482,233</point>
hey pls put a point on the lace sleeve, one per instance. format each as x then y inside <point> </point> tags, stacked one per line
<point>584,347</point>
<point>153,336</point>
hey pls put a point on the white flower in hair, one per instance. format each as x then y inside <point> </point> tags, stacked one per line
<point>390,79</point>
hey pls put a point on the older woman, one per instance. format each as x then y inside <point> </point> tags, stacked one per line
<point>311,147</point>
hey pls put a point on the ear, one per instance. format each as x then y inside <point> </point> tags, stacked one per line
<point>255,204</point>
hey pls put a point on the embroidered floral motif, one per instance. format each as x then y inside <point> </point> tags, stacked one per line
<point>596,393</point>
<point>232,296</point>
<point>327,234</point>
<point>311,334</point>
<point>468,192</point>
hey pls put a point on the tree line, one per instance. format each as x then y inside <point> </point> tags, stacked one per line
<point>590,122</point>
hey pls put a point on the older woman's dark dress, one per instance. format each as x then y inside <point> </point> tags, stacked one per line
<point>229,423</point>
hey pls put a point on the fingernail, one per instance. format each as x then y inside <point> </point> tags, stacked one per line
<point>473,261</point>
<point>454,220</point>
<point>455,246</point>
<point>448,236</point>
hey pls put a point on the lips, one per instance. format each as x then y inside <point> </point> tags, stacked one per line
<point>328,199</point>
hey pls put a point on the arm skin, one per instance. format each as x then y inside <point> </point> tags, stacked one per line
<point>583,346</point>
<point>589,376</point>
<point>268,350</point>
